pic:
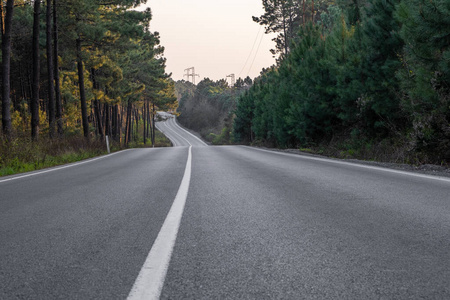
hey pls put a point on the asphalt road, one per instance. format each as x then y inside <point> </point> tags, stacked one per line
<point>255,225</point>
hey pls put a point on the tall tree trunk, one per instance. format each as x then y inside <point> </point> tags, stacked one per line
<point>98,117</point>
<point>136,119</point>
<point>58,101</point>
<point>94,118</point>
<point>22,83</point>
<point>107,120</point>
<point>119,123</point>
<point>129,123</point>
<point>130,138</point>
<point>114,122</point>
<point>148,119</point>
<point>122,108</point>
<point>144,118</point>
<point>153,125</point>
<point>36,73</point>
<point>50,70</point>
<point>304,13</point>
<point>97,106</point>
<point>6,67</point>
<point>82,90</point>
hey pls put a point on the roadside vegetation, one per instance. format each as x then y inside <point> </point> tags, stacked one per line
<point>355,79</point>
<point>365,79</point>
<point>23,155</point>
<point>208,107</point>
<point>74,72</point>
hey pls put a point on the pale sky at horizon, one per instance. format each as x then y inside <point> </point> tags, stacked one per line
<point>217,37</point>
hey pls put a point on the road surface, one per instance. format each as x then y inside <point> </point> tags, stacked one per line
<point>230,222</point>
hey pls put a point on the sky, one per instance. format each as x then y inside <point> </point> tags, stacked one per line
<point>216,37</point>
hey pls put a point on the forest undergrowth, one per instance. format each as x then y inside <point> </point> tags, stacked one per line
<point>20,154</point>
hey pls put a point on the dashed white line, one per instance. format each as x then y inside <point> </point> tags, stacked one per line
<point>150,280</point>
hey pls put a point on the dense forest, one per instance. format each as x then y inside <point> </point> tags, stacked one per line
<point>81,67</point>
<point>208,107</point>
<point>74,72</point>
<point>368,78</point>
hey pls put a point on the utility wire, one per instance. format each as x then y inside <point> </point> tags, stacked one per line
<point>251,51</point>
<point>256,53</point>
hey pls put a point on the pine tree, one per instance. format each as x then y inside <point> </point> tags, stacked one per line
<point>57,84</point>
<point>382,46</point>
<point>282,17</point>
<point>6,27</point>
<point>50,70</point>
<point>36,73</point>
<point>425,74</point>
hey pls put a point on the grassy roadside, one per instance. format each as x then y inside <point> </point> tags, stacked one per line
<point>22,155</point>
<point>388,150</point>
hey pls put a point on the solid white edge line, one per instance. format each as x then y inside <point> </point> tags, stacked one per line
<point>169,134</point>
<point>355,165</point>
<point>63,167</point>
<point>174,132</point>
<point>171,138</point>
<point>150,281</point>
<point>175,121</point>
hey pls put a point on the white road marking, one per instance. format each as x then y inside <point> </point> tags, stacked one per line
<point>355,165</point>
<point>150,280</point>
<point>60,168</point>
<point>181,128</point>
<point>174,132</point>
<point>171,138</point>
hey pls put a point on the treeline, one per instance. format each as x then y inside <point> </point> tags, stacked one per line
<point>81,67</point>
<point>208,107</point>
<point>362,76</point>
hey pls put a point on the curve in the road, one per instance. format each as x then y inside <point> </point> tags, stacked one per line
<point>176,134</point>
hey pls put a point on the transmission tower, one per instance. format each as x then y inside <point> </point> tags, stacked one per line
<point>190,72</point>
<point>233,79</point>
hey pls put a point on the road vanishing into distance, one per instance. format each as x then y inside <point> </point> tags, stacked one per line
<point>223,222</point>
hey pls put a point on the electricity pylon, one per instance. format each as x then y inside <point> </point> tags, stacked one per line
<point>233,79</point>
<point>189,74</point>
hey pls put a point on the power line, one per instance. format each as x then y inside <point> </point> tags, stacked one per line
<point>251,51</point>
<point>256,53</point>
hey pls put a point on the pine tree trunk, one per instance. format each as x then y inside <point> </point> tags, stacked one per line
<point>107,120</point>
<point>6,67</point>
<point>94,118</point>
<point>36,73</point>
<point>153,126</point>
<point>50,70</point>
<point>148,119</point>
<point>304,13</point>
<point>129,124</point>
<point>119,123</point>
<point>121,129</point>
<point>58,104</point>
<point>136,119</point>
<point>22,83</point>
<point>115,121</point>
<point>98,117</point>
<point>130,138</point>
<point>144,118</point>
<point>82,90</point>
